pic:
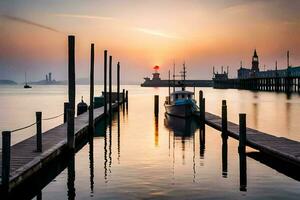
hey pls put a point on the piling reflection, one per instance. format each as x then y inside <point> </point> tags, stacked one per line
<point>156,134</point>
<point>71,177</point>
<point>119,137</point>
<point>91,158</point>
<point>202,140</point>
<point>224,156</point>
<point>243,171</point>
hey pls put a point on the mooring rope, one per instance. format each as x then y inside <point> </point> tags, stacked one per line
<point>30,125</point>
<point>53,117</point>
<point>19,129</point>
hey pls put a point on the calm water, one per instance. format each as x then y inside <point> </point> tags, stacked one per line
<point>146,158</point>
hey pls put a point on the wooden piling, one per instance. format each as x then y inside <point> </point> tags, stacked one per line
<point>105,82</point>
<point>91,107</point>
<point>110,86</point>
<point>71,71</point>
<point>123,96</point>
<point>224,120</point>
<point>39,146</point>
<point>6,140</point>
<point>118,83</point>
<point>242,152</point>
<point>126,96</point>
<point>242,133</point>
<point>202,111</point>
<point>71,85</point>
<point>70,129</point>
<point>66,104</point>
<point>156,105</point>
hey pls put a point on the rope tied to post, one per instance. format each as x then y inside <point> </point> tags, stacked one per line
<point>25,127</point>
<point>30,125</point>
<point>53,117</point>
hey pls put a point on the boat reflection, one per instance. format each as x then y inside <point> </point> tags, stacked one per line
<point>181,127</point>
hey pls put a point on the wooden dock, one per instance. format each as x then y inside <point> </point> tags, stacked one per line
<point>279,147</point>
<point>25,160</point>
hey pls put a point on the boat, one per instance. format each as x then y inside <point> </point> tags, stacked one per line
<point>26,84</point>
<point>180,103</point>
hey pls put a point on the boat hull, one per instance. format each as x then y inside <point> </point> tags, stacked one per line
<point>183,111</point>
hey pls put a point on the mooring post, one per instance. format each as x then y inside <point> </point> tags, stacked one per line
<point>126,96</point>
<point>70,128</point>
<point>242,152</point>
<point>202,113</point>
<point>200,103</point>
<point>66,104</point>
<point>224,120</point>
<point>6,139</point>
<point>118,83</point>
<point>156,105</point>
<point>123,96</point>
<point>105,82</point>
<point>91,107</point>
<point>110,86</point>
<point>71,71</point>
<point>242,133</point>
<point>38,116</point>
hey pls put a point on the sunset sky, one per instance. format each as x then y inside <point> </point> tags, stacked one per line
<point>142,34</point>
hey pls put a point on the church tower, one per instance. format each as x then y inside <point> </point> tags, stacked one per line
<point>255,63</point>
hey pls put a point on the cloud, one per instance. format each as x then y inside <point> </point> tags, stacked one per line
<point>85,16</point>
<point>157,33</point>
<point>29,22</point>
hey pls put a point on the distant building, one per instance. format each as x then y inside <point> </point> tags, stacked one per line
<point>222,76</point>
<point>254,72</point>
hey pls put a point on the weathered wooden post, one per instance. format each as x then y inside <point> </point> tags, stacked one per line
<point>202,109</point>
<point>6,139</point>
<point>38,116</point>
<point>71,85</point>
<point>70,128</point>
<point>118,83</point>
<point>224,139</point>
<point>156,105</point>
<point>110,86</point>
<point>123,96</point>
<point>224,120</point>
<point>66,104</point>
<point>105,82</point>
<point>71,71</point>
<point>126,96</point>
<point>91,107</point>
<point>200,103</point>
<point>242,152</point>
<point>242,133</point>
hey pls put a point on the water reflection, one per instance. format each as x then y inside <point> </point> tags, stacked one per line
<point>183,130</point>
<point>91,158</point>
<point>156,134</point>
<point>71,177</point>
<point>243,171</point>
<point>224,156</point>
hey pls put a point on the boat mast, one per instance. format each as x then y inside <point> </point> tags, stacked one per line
<point>183,76</point>
<point>174,76</point>
<point>169,87</point>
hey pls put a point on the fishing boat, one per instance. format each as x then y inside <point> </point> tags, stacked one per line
<point>26,84</point>
<point>180,103</point>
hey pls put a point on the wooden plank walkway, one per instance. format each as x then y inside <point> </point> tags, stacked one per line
<point>280,147</point>
<point>24,158</point>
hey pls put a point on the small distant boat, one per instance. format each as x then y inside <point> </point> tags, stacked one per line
<point>180,103</point>
<point>26,84</point>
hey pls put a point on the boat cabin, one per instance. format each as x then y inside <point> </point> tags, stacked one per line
<point>180,95</point>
